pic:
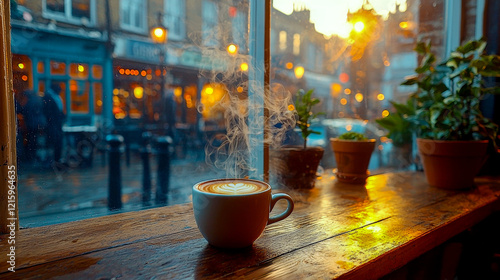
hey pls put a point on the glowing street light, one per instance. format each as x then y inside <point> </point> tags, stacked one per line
<point>159,35</point>
<point>299,72</point>
<point>232,49</point>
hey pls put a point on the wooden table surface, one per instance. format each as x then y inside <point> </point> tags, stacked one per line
<point>336,231</point>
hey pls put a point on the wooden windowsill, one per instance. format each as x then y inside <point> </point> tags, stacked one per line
<point>336,231</point>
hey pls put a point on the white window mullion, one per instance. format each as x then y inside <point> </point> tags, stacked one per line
<point>258,77</point>
<point>453,17</point>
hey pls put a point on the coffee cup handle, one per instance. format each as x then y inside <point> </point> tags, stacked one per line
<point>288,211</point>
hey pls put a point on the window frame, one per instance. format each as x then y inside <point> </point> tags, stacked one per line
<point>259,52</point>
<point>67,16</point>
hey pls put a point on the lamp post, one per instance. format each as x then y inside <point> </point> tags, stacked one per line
<point>159,35</point>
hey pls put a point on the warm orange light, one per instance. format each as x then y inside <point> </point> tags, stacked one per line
<point>116,91</point>
<point>347,91</point>
<point>343,101</point>
<point>24,77</point>
<point>20,65</point>
<point>385,113</point>
<point>178,91</point>
<point>239,89</point>
<point>244,66</point>
<point>209,90</point>
<point>289,65</point>
<point>359,26</point>
<point>232,49</point>
<point>348,127</point>
<point>159,35</point>
<point>99,103</point>
<point>299,72</point>
<point>143,73</point>
<point>336,88</point>
<point>359,97</point>
<point>403,25</point>
<point>387,63</point>
<point>380,97</point>
<point>127,72</point>
<point>138,92</point>
<point>291,107</point>
<point>81,68</point>
<point>121,71</point>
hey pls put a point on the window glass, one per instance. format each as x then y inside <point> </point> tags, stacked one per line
<point>97,72</point>
<point>296,44</point>
<point>97,98</point>
<point>282,40</point>
<point>133,15</point>
<point>79,70</point>
<point>210,31</point>
<point>40,67</point>
<point>57,6</point>
<point>57,68</point>
<point>193,90</point>
<point>79,94</point>
<point>80,8</point>
<point>175,12</point>
<point>22,73</point>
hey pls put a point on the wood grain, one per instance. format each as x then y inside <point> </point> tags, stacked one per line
<point>336,231</point>
<point>7,122</point>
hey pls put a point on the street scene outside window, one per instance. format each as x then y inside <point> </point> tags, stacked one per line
<point>124,105</point>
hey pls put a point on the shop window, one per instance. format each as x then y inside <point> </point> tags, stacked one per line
<point>97,98</point>
<point>41,86</point>
<point>79,96</point>
<point>133,15</point>
<point>79,70</point>
<point>40,67</point>
<point>57,68</point>
<point>97,72</point>
<point>282,40</point>
<point>22,73</point>
<point>296,44</point>
<point>73,11</point>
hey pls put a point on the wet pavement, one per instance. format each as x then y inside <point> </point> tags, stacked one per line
<point>47,196</point>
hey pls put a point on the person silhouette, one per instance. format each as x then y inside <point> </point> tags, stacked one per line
<point>35,122</point>
<point>53,111</point>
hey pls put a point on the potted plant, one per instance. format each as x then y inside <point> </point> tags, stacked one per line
<point>296,166</point>
<point>452,133</point>
<point>400,132</point>
<point>352,154</point>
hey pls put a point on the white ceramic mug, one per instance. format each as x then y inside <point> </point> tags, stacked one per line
<point>232,213</point>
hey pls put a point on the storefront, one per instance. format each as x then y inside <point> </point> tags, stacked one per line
<point>76,62</point>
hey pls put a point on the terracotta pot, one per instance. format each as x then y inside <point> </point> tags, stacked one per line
<point>352,158</point>
<point>451,164</point>
<point>295,166</point>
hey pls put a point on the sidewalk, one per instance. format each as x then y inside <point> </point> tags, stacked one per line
<point>48,197</point>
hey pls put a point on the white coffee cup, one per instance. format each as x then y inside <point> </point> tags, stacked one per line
<point>232,213</point>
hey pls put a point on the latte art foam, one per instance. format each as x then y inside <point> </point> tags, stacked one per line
<point>232,187</point>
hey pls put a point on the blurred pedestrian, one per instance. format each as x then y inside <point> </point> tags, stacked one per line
<point>35,122</point>
<point>53,111</point>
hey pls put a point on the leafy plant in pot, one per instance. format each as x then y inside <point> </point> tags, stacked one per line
<point>453,135</point>
<point>298,165</point>
<point>352,154</point>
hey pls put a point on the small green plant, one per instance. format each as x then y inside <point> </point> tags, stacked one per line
<point>303,108</point>
<point>352,136</point>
